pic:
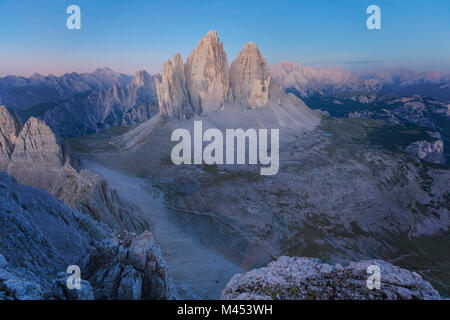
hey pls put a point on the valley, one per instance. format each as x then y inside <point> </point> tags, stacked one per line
<point>197,271</point>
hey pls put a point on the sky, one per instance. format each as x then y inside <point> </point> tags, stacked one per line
<point>131,35</point>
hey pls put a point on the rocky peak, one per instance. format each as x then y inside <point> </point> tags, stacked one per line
<point>141,78</point>
<point>207,74</point>
<point>172,93</point>
<point>9,130</point>
<point>37,143</point>
<point>251,83</point>
<point>105,71</point>
<point>144,84</point>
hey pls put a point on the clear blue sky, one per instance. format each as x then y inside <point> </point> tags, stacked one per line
<point>128,35</point>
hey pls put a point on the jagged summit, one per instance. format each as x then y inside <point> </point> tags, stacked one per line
<point>37,144</point>
<point>172,92</point>
<point>207,74</point>
<point>211,34</point>
<point>250,80</point>
<point>205,84</point>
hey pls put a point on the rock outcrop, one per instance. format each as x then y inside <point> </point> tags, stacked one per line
<point>9,130</point>
<point>38,159</point>
<point>172,92</point>
<point>36,145</point>
<point>308,278</point>
<point>42,236</point>
<point>207,85</point>
<point>430,151</point>
<point>207,75</point>
<point>128,267</point>
<point>102,109</point>
<point>251,83</point>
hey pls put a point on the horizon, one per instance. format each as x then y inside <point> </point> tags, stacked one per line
<point>138,35</point>
<point>353,71</point>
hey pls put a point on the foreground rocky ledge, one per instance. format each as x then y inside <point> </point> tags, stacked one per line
<point>307,278</point>
<point>40,237</point>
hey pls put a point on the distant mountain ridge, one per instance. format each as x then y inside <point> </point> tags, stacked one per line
<point>101,109</point>
<point>22,93</point>
<point>306,81</point>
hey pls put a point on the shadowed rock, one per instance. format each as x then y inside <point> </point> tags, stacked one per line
<point>308,278</point>
<point>9,130</point>
<point>38,159</point>
<point>41,237</point>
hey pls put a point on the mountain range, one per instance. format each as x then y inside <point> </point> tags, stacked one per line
<point>328,81</point>
<point>22,93</point>
<point>348,189</point>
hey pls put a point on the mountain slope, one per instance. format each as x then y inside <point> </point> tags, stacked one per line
<point>117,106</point>
<point>37,158</point>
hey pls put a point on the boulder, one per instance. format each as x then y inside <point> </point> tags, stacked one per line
<point>293,278</point>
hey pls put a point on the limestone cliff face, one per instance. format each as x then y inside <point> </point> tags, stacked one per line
<point>36,144</point>
<point>207,85</point>
<point>250,81</point>
<point>207,75</point>
<point>42,236</point>
<point>172,93</point>
<point>9,130</point>
<point>39,160</point>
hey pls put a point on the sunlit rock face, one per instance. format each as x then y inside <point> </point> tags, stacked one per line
<point>36,145</point>
<point>251,83</point>
<point>34,156</point>
<point>42,236</point>
<point>207,75</point>
<point>173,97</point>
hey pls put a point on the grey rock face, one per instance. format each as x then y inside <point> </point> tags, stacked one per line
<point>308,278</point>
<point>42,236</point>
<point>60,290</point>
<point>15,288</point>
<point>251,83</point>
<point>39,160</point>
<point>128,267</point>
<point>172,92</point>
<point>207,74</point>
<point>206,86</point>
<point>36,144</point>
<point>99,110</point>
<point>9,130</point>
